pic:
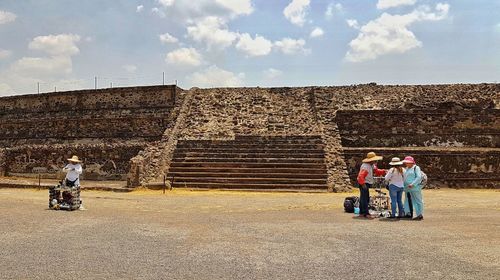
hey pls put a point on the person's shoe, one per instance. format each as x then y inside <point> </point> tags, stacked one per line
<point>419,218</point>
<point>391,217</point>
<point>361,217</point>
<point>407,217</point>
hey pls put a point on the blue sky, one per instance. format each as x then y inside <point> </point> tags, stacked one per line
<point>205,43</point>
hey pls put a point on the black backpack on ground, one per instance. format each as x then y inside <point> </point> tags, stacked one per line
<point>349,203</point>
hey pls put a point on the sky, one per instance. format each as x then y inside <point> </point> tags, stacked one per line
<point>64,44</point>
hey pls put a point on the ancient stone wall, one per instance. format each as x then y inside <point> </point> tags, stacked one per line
<point>153,161</point>
<point>81,100</point>
<point>2,162</point>
<point>138,128</point>
<point>100,161</point>
<point>105,127</point>
<point>223,113</point>
<point>425,99</point>
<point>443,128</point>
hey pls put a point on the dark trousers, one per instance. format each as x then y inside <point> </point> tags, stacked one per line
<point>364,199</point>
<point>70,183</point>
<point>410,204</point>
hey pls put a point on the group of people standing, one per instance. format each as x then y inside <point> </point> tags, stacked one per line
<point>399,179</point>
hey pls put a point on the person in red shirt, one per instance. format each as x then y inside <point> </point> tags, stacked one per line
<point>365,180</point>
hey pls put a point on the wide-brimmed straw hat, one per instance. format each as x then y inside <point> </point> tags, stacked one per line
<point>74,159</point>
<point>409,159</point>
<point>371,156</point>
<point>395,161</point>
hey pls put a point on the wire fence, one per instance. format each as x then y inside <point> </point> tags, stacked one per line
<point>96,82</point>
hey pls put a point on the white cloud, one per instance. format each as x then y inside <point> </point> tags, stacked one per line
<point>216,77</point>
<point>158,12</point>
<point>390,34</point>
<point>353,23</point>
<point>296,11</point>
<point>6,17</point>
<point>62,44</point>
<point>166,3</point>
<point>59,47</point>
<point>259,46</point>
<point>317,32</point>
<point>5,54</point>
<point>237,7</point>
<point>184,57</point>
<point>271,73</point>
<point>130,68</point>
<point>168,39</point>
<point>189,11</point>
<point>425,12</point>
<point>386,4</point>
<point>55,68</point>
<point>43,66</point>
<point>332,8</point>
<point>139,8</point>
<point>291,46</point>
<point>213,32</point>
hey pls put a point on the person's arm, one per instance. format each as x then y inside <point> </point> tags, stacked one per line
<point>418,176</point>
<point>388,176</point>
<point>379,172</point>
<point>66,168</point>
<point>79,169</point>
<point>362,176</point>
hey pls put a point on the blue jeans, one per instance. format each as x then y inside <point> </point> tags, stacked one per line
<point>396,195</point>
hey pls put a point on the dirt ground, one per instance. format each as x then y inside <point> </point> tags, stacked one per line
<point>245,235</point>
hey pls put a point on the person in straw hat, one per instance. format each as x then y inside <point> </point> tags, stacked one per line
<point>395,180</point>
<point>365,180</point>
<point>73,170</point>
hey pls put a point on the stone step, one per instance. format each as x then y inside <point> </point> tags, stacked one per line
<point>251,141</point>
<point>250,150</point>
<point>211,169</point>
<point>250,180</point>
<point>247,165</point>
<point>250,162</point>
<point>258,160</point>
<point>178,155</point>
<point>286,137</point>
<point>229,145</point>
<point>248,186</point>
<point>224,174</point>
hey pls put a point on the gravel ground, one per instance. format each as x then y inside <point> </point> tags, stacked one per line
<point>242,235</point>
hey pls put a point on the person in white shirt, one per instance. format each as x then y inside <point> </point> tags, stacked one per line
<point>73,170</point>
<point>395,180</point>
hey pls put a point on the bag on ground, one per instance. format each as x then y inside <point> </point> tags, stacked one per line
<point>349,203</point>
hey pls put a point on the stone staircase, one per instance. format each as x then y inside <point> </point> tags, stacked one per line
<point>250,162</point>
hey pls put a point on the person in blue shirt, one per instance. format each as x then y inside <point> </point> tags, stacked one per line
<point>413,188</point>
